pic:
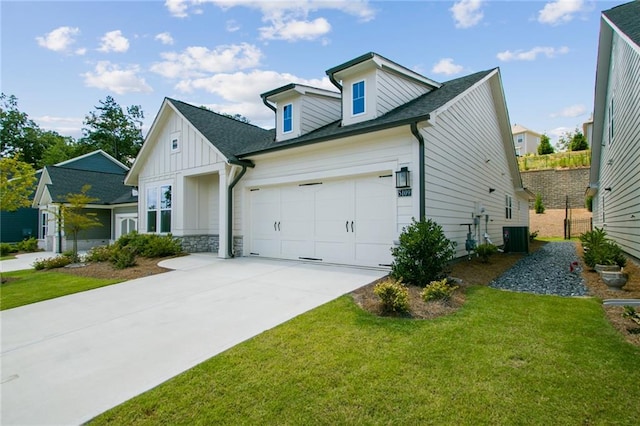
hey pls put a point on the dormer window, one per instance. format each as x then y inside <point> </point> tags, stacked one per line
<point>358,97</point>
<point>287,118</point>
<point>174,140</point>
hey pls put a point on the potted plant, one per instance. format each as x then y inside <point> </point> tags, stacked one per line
<point>608,257</point>
<point>614,280</point>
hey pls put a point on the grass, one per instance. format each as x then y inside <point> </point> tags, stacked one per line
<point>504,358</point>
<point>567,159</point>
<point>556,239</point>
<point>30,286</point>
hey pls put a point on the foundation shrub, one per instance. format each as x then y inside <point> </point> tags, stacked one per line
<point>438,290</point>
<point>29,245</point>
<point>124,257</point>
<point>485,251</point>
<point>100,253</point>
<point>52,262</point>
<point>393,295</point>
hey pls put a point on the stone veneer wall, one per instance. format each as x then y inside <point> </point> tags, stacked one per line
<point>208,243</point>
<point>556,184</point>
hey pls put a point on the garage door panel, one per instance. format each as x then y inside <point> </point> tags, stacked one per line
<point>336,252</point>
<point>373,254</point>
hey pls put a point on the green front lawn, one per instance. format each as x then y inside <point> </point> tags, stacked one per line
<point>504,358</point>
<point>30,286</point>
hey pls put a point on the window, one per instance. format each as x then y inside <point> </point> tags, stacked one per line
<point>508,209</point>
<point>175,141</point>
<point>287,120</point>
<point>520,138</point>
<point>611,121</point>
<point>358,97</point>
<point>159,209</point>
<point>44,225</point>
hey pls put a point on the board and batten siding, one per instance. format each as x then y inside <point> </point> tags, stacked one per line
<point>382,152</point>
<point>318,111</point>
<point>618,210</point>
<point>394,90</point>
<point>465,157</point>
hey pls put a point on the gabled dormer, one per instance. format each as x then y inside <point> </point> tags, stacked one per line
<point>372,85</point>
<point>301,109</point>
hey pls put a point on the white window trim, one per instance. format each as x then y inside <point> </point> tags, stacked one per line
<point>283,118</point>
<point>364,87</point>
<point>156,186</point>
<point>175,136</point>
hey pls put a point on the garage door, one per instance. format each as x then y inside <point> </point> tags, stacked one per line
<point>341,221</point>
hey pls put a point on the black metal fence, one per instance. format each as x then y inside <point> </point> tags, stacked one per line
<point>575,227</point>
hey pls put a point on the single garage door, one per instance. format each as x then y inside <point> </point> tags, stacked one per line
<point>337,221</point>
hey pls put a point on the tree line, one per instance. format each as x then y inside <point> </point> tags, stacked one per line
<point>569,141</point>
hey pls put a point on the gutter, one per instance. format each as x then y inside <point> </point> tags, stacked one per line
<point>244,164</point>
<point>421,169</point>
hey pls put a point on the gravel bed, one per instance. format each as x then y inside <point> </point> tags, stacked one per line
<point>545,271</point>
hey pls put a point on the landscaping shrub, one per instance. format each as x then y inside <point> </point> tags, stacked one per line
<point>533,235</point>
<point>423,255</point>
<point>605,253</point>
<point>438,290</point>
<point>29,245</point>
<point>100,254</point>
<point>588,203</point>
<point>485,251</point>
<point>593,238</point>
<point>539,206</point>
<point>150,245</point>
<point>123,257</point>
<point>52,262</point>
<point>6,249</point>
<point>394,296</point>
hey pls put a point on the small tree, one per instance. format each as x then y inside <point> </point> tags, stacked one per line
<point>16,184</point>
<point>545,146</point>
<point>74,218</point>
<point>423,254</point>
<point>539,206</point>
<point>578,142</point>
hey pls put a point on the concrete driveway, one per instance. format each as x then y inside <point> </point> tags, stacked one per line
<point>66,360</point>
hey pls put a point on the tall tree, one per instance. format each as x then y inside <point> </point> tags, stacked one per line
<point>545,145</point>
<point>17,180</point>
<point>115,130</point>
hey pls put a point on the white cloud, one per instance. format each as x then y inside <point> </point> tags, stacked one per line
<point>66,126</point>
<point>560,11</point>
<point>164,38</point>
<point>532,54</point>
<point>60,40</point>
<point>286,20</point>
<point>195,61</point>
<point>114,41</point>
<point>295,30</point>
<point>571,111</point>
<point>447,67</point>
<point>111,77</point>
<point>467,13</point>
<point>232,26</point>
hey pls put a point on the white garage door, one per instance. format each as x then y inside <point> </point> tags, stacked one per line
<point>342,221</point>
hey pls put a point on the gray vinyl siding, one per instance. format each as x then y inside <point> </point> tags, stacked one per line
<point>318,111</point>
<point>618,210</point>
<point>465,156</point>
<point>394,90</point>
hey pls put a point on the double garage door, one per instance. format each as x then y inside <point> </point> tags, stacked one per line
<point>340,221</point>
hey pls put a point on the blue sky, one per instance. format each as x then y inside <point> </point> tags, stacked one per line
<point>60,58</point>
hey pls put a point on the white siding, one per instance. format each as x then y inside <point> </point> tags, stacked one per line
<point>318,111</point>
<point>618,210</point>
<point>465,157</point>
<point>395,90</point>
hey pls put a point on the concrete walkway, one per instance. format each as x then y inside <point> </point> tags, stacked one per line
<point>24,261</point>
<point>66,360</point>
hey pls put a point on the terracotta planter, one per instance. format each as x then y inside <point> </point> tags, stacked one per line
<point>614,280</point>
<point>607,268</point>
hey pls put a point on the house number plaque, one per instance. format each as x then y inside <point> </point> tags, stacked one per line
<point>406,192</point>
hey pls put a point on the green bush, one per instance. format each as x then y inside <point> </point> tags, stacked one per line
<point>438,290</point>
<point>423,255</point>
<point>6,249</point>
<point>394,296</point>
<point>533,235</point>
<point>100,254</point>
<point>52,262</point>
<point>539,206</point>
<point>485,251</point>
<point>29,245</point>
<point>150,245</point>
<point>588,203</point>
<point>123,257</point>
<point>593,238</point>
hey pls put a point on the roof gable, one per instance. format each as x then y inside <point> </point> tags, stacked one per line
<point>626,18</point>
<point>97,160</point>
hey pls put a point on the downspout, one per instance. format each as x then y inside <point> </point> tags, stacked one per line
<point>271,107</point>
<point>421,187</point>
<point>244,164</point>
<point>335,82</point>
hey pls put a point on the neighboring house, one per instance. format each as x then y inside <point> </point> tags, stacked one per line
<point>20,224</point>
<point>615,150</point>
<point>342,174</point>
<point>115,207</point>
<point>587,130</point>
<point>525,141</point>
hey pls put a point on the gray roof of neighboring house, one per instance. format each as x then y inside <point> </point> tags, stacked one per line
<point>228,135</point>
<point>418,108</point>
<point>108,188</point>
<point>627,18</point>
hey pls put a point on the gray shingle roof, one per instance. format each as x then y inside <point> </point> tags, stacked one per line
<point>229,136</point>
<point>404,114</point>
<point>627,18</point>
<point>108,188</point>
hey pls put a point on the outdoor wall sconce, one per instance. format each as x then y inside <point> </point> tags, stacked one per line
<point>491,190</point>
<point>402,178</point>
<point>608,189</point>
